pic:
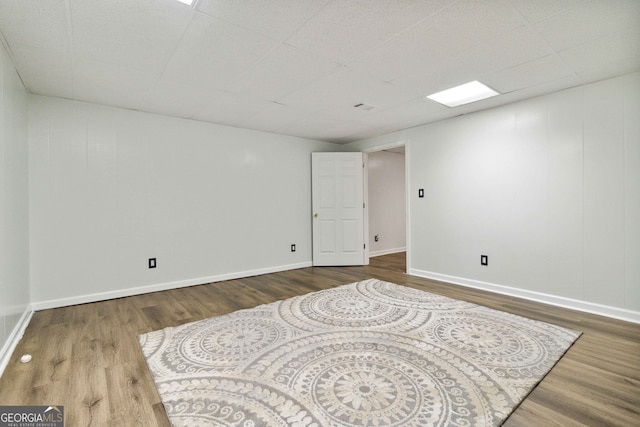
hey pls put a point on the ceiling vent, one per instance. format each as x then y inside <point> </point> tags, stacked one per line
<point>363,107</point>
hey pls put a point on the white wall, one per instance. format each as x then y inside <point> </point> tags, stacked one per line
<point>14,208</point>
<point>387,212</point>
<point>549,189</point>
<point>111,188</point>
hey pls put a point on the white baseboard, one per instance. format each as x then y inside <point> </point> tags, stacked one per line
<point>102,296</point>
<point>386,252</point>
<point>574,304</point>
<point>14,338</point>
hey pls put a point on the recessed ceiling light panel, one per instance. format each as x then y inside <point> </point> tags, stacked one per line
<point>187,2</point>
<point>463,94</point>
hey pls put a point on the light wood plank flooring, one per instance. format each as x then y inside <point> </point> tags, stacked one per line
<point>87,357</point>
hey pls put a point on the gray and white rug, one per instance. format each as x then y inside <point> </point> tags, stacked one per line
<point>370,353</point>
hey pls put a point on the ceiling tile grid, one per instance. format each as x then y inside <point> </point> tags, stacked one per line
<point>342,30</point>
<point>213,53</point>
<point>587,21</point>
<point>538,10</point>
<point>109,84</point>
<point>178,98</point>
<point>230,109</point>
<point>283,71</point>
<point>529,74</point>
<point>298,67</point>
<point>35,24</point>
<point>276,19</point>
<point>341,90</point>
<point>45,71</point>
<point>610,49</point>
<point>438,38</point>
<point>140,34</point>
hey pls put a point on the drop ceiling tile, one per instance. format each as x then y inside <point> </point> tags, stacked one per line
<point>214,53</point>
<point>362,134</point>
<point>342,90</point>
<point>231,109</point>
<point>283,71</point>
<point>344,29</point>
<point>326,128</point>
<point>591,20</point>
<point>551,86</point>
<point>600,52</point>
<point>361,120</point>
<point>35,23</point>
<point>611,69</point>
<point>411,50</point>
<point>273,118</point>
<point>109,84</point>
<point>344,112</point>
<point>44,71</point>
<point>439,38</point>
<point>277,19</point>
<point>413,113</point>
<point>543,70</point>
<point>508,50</point>
<point>516,47</point>
<point>451,72</point>
<point>537,10</point>
<point>471,22</point>
<point>223,63</point>
<point>180,98</point>
<point>358,133</point>
<point>209,35</point>
<point>139,34</point>
<point>143,55</point>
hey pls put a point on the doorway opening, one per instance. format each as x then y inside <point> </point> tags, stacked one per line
<point>387,205</point>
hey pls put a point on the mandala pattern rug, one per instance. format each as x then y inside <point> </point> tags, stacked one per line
<point>370,353</point>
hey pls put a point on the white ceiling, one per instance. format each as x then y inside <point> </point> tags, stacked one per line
<point>298,67</point>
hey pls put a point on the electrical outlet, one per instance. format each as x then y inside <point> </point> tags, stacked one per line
<point>293,247</point>
<point>375,238</point>
<point>152,263</point>
<point>484,260</point>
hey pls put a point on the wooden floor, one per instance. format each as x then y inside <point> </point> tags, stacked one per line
<point>87,357</point>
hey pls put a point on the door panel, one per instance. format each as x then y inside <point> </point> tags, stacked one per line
<point>350,242</point>
<point>327,192</point>
<point>326,236</point>
<point>337,199</point>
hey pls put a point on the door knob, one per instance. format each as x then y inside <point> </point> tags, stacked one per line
<point>315,214</point>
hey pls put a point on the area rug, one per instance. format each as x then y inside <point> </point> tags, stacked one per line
<point>370,353</point>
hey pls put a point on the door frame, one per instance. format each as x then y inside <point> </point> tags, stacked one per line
<point>407,196</point>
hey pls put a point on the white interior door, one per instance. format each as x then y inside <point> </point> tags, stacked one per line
<point>338,209</point>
